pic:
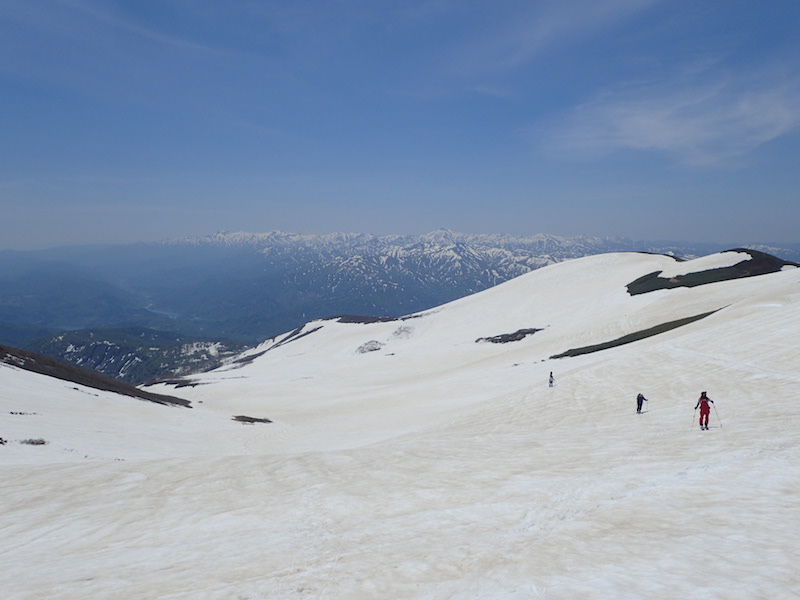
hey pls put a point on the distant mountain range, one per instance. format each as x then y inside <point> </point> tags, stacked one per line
<point>135,355</point>
<point>153,310</point>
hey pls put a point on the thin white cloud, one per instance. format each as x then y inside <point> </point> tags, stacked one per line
<point>541,27</point>
<point>97,12</point>
<point>701,122</point>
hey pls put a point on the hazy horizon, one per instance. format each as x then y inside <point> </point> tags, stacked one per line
<point>731,244</point>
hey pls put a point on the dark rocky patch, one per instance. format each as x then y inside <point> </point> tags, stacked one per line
<point>294,335</point>
<point>246,360</point>
<point>370,346</point>
<point>34,442</point>
<point>759,264</point>
<point>633,337</point>
<point>364,319</point>
<point>509,337</point>
<point>53,368</point>
<point>251,420</point>
<point>177,383</point>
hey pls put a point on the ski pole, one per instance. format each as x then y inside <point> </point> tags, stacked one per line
<point>716,413</point>
<point>694,414</point>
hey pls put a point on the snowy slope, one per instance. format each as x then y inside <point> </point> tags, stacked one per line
<point>406,459</point>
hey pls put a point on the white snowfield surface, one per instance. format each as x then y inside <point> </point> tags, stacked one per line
<point>405,460</point>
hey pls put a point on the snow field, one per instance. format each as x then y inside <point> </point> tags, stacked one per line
<point>437,467</point>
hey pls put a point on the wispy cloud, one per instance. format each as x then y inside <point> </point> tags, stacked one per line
<point>703,121</point>
<point>542,27</point>
<point>128,25</point>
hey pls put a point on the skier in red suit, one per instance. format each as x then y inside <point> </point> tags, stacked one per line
<point>705,409</point>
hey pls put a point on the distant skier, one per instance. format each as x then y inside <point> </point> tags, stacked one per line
<point>640,399</point>
<point>705,409</point>
<point>552,379</point>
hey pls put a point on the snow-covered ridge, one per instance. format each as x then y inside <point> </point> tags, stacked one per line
<point>350,243</point>
<point>499,318</point>
<point>541,243</point>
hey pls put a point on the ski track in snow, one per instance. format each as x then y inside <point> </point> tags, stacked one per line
<point>435,468</point>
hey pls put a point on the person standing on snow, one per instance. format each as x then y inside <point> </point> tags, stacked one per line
<point>640,399</point>
<point>705,409</point>
<point>552,379</point>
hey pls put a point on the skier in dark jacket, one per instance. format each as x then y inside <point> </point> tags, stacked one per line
<point>705,409</point>
<point>640,399</point>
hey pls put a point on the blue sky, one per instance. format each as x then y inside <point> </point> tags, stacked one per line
<point>138,120</point>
